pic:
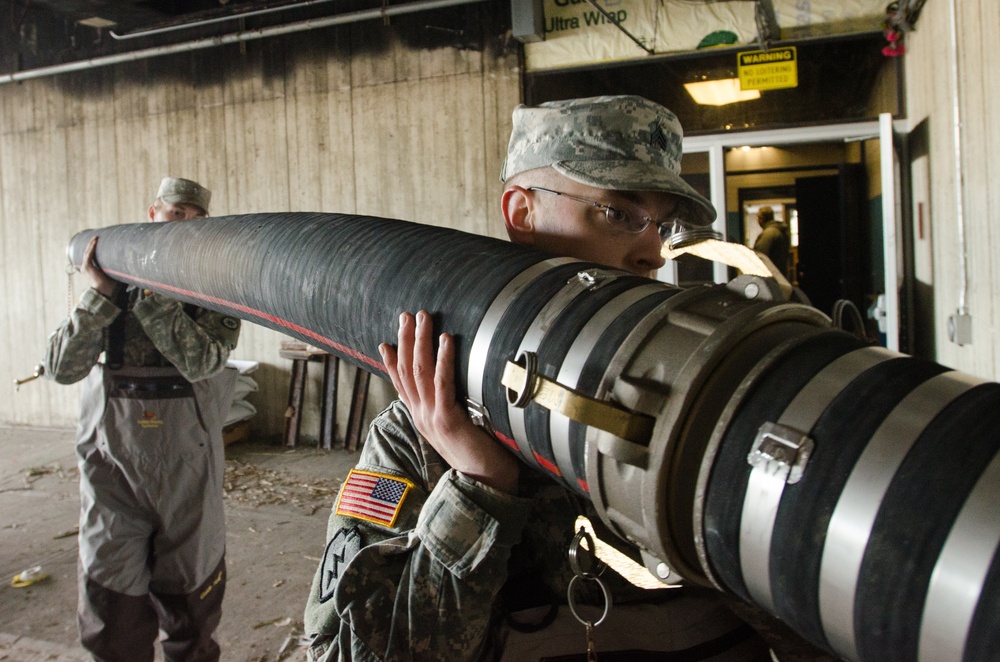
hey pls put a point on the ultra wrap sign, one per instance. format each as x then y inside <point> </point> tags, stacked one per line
<point>768,70</point>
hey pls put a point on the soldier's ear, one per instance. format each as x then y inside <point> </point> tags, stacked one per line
<point>517,205</point>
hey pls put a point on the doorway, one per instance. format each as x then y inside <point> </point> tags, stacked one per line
<point>830,179</point>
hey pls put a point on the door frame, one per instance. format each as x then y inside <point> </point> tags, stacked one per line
<point>885,129</point>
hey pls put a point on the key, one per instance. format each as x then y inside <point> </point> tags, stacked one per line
<point>591,646</point>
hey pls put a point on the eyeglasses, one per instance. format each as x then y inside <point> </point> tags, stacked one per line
<point>623,220</point>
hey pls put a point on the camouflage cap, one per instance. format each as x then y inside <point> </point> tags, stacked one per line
<point>184,191</point>
<point>618,143</point>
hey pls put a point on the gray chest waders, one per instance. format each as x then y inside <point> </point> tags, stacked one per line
<point>152,464</point>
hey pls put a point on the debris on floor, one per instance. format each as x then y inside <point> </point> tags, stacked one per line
<point>28,577</point>
<point>255,486</point>
<point>33,474</point>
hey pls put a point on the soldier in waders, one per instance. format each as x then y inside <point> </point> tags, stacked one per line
<point>151,458</point>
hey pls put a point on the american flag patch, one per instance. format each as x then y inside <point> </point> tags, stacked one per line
<point>372,496</point>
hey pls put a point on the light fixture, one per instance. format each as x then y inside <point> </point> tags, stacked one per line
<point>97,22</point>
<point>719,92</point>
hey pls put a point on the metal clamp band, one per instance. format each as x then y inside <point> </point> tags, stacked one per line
<point>582,281</point>
<point>479,352</point>
<point>960,573</point>
<point>768,479</point>
<point>576,359</point>
<point>854,515</point>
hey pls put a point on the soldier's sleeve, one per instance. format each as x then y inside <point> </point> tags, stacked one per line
<point>74,347</point>
<point>415,575</point>
<point>197,348</point>
<point>763,242</point>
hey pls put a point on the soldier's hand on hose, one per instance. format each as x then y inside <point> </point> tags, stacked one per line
<point>426,385</point>
<point>99,280</point>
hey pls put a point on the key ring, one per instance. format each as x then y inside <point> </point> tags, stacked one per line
<point>572,602</point>
<point>580,556</point>
<point>583,561</point>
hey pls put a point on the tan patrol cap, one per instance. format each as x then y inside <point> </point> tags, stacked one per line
<point>618,143</point>
<point>184,191</point>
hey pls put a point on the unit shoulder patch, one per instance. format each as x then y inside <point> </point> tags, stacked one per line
<point>341,549</point>
<point>372,496</point>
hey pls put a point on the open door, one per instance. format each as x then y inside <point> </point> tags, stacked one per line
<point>888,308</point>
<point>870,266</point>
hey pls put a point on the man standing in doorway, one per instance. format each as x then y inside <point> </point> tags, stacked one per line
<point>774,240</point>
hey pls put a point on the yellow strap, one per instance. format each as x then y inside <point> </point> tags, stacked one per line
<point>734,255</point>
<point>620,422</point>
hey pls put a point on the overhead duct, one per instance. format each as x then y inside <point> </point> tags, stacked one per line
<point>527,19</point>
<point>743,443</point>
<point>233,38</point>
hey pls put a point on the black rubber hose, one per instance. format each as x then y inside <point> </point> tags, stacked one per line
<point>340,282</point>
<point>868,525</point>
<point>335,281</point>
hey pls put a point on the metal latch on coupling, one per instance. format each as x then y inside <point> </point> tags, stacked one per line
<point>525,384</point>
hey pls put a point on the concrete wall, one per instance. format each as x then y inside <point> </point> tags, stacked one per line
<point>364,119</point>
<point>354,119</point>
<point>942,200</point>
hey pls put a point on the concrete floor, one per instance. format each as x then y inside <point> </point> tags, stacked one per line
<point>277,502</point>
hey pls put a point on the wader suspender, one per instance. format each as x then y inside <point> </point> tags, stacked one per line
<point>114,353</point>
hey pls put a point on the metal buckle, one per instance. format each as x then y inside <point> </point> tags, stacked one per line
<point>479,414</point>
<point>781,451</point>
<point>592,279</point>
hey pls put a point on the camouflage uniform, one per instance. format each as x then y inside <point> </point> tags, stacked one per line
<point>149,444</point>
<point>424,563</point>
<point>441,580</point>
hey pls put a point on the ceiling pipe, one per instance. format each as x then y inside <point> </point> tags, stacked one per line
<point>233,38</point>
<point>217,19</point>
<point>767,24</point>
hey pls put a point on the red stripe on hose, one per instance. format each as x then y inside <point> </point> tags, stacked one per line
<point>508,441</point>
<point>548,465</point>
<point>257,313</point>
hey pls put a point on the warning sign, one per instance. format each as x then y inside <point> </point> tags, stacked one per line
<point>768,70</point>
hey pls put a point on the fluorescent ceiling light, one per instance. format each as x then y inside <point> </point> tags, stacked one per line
<point>97,22</point>
<point>719,92</point>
